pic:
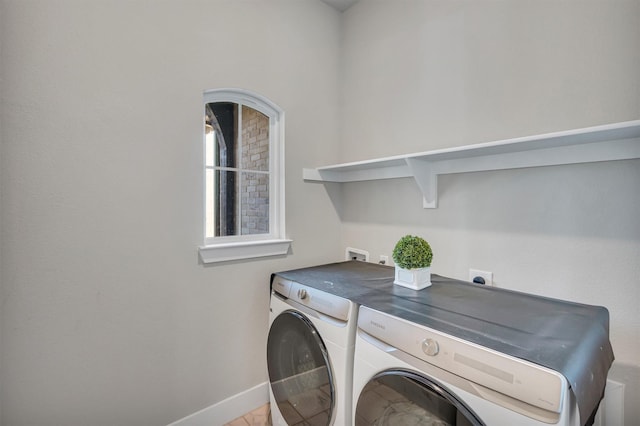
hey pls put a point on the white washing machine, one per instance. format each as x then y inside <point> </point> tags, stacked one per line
<point>310,355</point>
<point>409,374</point>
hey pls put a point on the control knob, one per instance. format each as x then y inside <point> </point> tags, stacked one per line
<point>302,294</point>
<point>430,347</point>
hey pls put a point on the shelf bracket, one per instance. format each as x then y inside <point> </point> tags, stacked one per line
<point>427,180</point>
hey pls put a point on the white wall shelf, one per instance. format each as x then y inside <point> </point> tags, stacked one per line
<point>617,141</point>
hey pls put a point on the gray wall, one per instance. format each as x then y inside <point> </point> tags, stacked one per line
<point>107,315</point>
<point>421,75</point>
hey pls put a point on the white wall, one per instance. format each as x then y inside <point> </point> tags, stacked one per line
<point>420,75</point>
<point>107,315</point>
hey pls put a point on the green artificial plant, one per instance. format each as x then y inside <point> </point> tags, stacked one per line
<point>412,252</point>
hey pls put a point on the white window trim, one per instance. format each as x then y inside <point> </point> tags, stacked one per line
<point>244,250</point>
<point>229,248</point>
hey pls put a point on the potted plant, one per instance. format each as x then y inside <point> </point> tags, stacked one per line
<point>412,256</point>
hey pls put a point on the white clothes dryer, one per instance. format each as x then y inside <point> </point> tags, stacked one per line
<point>409,374</point>
<point>310,355</point>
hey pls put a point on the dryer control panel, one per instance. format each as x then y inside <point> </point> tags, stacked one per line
<point>325,303</point>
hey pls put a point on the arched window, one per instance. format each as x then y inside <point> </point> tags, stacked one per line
<point>244,177</point>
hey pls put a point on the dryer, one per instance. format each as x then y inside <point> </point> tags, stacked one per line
<point>310,355</point>
<point>409,374</point>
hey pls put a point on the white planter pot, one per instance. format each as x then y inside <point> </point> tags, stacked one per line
<point>415,279</point>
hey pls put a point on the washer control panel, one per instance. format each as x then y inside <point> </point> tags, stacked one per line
<point>520,379</point>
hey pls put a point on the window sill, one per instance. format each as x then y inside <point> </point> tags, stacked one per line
<point>243,250</point>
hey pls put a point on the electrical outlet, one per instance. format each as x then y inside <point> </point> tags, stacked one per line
<point>474,274</point>
<point>384,260</point>
<point>356,254</point>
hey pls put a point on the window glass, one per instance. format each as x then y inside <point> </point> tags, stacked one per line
<point>237,150</point>
<point>405,398</point>
<point>254,203</point>
<point>299,371</point>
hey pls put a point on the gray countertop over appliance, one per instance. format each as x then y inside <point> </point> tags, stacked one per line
<point>570,338</point>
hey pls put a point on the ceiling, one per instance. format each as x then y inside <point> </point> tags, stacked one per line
<point>340,5</point>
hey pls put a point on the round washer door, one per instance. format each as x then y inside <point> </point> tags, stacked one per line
<point>299,370</point>
<point>400,397</point>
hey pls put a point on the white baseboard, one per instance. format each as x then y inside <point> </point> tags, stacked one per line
<point>226,410</point>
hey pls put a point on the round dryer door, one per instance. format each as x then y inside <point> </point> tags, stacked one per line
<point>399,397</point>
<point>299,370</point>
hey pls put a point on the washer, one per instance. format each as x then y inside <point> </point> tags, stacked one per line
<point>406,373</point>
<point>310,355</point>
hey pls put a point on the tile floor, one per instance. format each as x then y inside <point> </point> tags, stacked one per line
<point>261,416</point>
